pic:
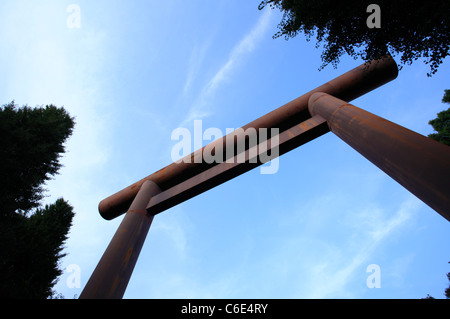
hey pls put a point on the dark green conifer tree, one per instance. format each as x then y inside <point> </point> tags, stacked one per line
<point>31,237</point>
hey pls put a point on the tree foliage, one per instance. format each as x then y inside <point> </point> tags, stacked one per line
<point>31,145</point>
<point>30,249</point>
<point>441,124</point>
<point>31,237</point>
<point>412,29</point>
<point>446,292</point>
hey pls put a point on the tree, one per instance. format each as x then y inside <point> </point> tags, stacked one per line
<point>441,124</point>
<point>31,237</point>
<point>446,292</point>
<point>410,28</point>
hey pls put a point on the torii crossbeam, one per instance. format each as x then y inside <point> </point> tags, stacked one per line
<point>418,163</point>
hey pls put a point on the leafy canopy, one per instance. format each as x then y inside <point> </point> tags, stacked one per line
<point>441,124</point>
<point>412,29</point>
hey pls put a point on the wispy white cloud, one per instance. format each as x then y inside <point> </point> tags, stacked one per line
<point>245,46</point>
<point>201,107</point>
<point>331,278</point>
<point>173,229</point>
<point>320,255</point>
<point>195,62</point>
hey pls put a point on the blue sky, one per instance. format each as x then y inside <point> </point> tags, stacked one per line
<point>135,71</point>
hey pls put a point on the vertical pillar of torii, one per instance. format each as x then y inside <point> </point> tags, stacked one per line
<point>110,278</point>
<point>418,163</point>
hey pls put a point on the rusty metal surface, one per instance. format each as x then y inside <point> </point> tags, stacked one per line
<point>220,173</point>
<point>348,86</point>
<point>110,278</point>
<point>416,162</point>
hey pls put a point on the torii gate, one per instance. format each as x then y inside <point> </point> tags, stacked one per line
<point>418,163</point>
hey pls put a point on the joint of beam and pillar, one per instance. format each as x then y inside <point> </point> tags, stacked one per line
<point>112,274</point>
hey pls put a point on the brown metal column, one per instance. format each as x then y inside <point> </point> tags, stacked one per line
<point>418,163</point>
<point>110,278</point>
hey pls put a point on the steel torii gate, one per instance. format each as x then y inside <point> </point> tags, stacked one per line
<point>418,163</point>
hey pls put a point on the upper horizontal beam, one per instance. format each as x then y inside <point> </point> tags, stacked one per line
<point>348,86</point>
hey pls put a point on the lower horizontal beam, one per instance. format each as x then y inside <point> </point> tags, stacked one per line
<point>222,172</point>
